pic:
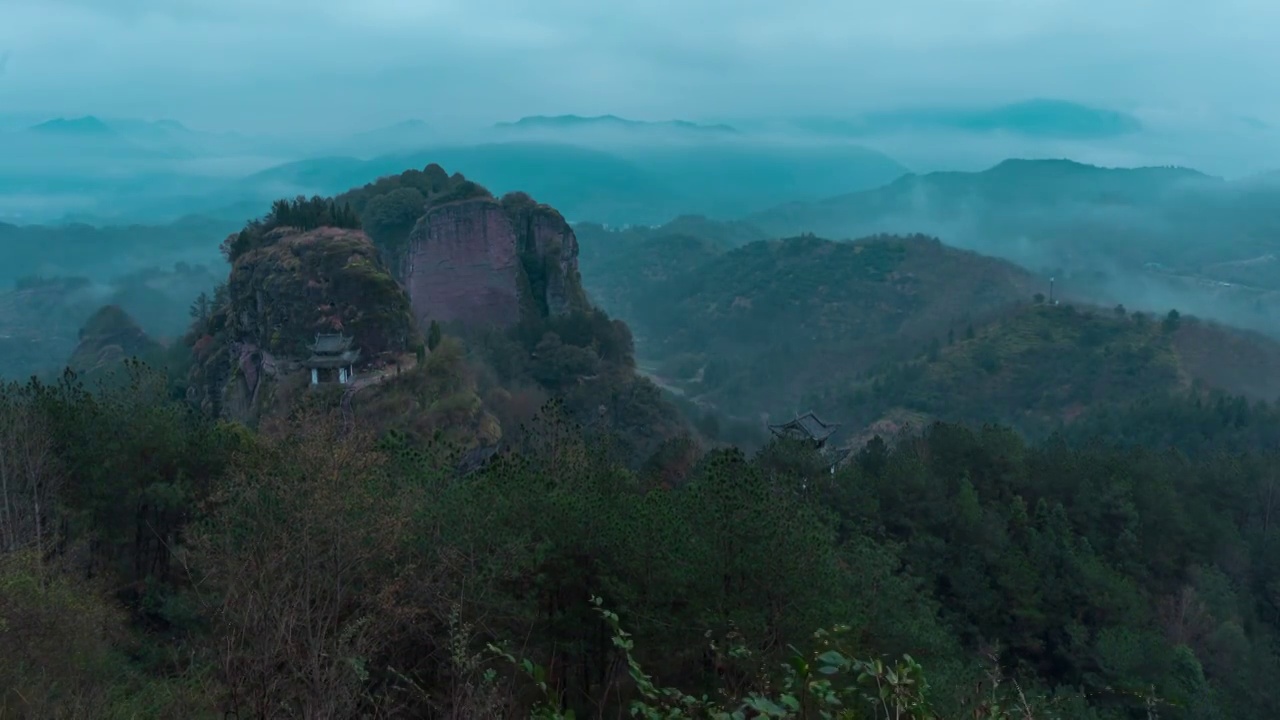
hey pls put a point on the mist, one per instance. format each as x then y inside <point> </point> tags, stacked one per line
<point>174,123</point>
<point>1152,239</point>
<point>190,101</point>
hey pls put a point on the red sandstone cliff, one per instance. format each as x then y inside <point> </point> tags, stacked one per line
<point>544,238</point>
<point>482,261</point>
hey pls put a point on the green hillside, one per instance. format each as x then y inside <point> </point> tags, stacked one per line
<point>1154,237</point>
<point>449,544</point>
<point>878,331</point>
<point>1036,368</point>
<point>757,327</point>
<point>622,269</point>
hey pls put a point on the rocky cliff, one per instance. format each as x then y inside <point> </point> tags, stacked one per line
<point>466,258</point>
<point>108,339</point>
<point>478,260</point>
<point>286,286</point>
<point>325,280</point>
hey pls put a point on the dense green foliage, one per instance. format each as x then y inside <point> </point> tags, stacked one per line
<point>300,214</point>
<point>158,562</point>
<point>1036,368</point>
<point>165,565</point>
<point>587,361</point>
<point>622,268</point>
<point>893,329</point>
<point>830,310</point>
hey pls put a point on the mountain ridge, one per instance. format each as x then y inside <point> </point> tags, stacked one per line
<point>580,121</point>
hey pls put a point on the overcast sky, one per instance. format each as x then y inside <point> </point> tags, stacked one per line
<point>338,65</point>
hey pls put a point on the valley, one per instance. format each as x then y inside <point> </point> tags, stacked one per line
<point>532,395</point>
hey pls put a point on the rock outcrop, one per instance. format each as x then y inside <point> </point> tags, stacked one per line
<point>285,287</point>
<point>549,255</point>
<point>478,260</point>
<point>108,339</point>
<point>322,281</point>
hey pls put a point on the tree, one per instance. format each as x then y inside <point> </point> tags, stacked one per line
<point>389,218</point>
<point>304,540</point>
<point>201,310</point>
<point>433,336</point>
<point>30,473</point>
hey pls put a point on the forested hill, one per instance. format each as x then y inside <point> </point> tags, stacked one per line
<point>1170,237</point>
<point>902,329</point>
<point>1104,578</point>
<point>381,558</point>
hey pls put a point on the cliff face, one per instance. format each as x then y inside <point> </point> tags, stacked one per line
<point>282,291</point>
<point>323,281</point>
<point>474,259</point>
<point>463,265</point>
<point>549,255</point>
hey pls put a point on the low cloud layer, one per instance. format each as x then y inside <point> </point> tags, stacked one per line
<point>339,65</point>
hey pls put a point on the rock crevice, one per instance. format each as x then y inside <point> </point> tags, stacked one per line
<point>482,261</point>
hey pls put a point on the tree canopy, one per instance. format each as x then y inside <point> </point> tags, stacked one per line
<point>164,564</point>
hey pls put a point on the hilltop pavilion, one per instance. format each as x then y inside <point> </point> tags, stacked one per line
<point>332,359</point>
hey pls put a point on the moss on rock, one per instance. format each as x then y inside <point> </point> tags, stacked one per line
<point>282,291</point>
<point>323,281</point>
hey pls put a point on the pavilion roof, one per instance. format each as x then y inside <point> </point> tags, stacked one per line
<point>807,425</point>
<point>331,344</point>
<point>343,359</point>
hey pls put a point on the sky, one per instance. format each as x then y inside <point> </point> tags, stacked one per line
<point>345,65</point>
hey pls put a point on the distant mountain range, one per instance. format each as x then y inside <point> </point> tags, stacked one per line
<point>1155,238</point>
<point>1151,238</point>
<point>606,168</point>
<point>613,122</point>
<point>645,184</point>
<point>1126,215</point>
<point>88,126</point>
<point>1040,118</point>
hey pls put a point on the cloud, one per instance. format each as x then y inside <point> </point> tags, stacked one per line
<point>343,64</point>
